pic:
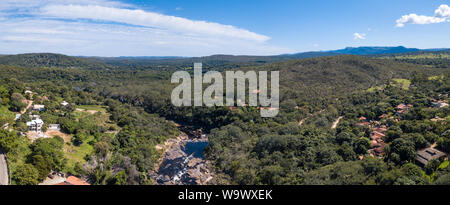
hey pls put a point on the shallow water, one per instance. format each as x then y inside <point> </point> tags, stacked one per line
<point>175,170</point>
<point>195,149</point>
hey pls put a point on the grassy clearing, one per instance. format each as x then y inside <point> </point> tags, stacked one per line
<point>76,154</point>
<point>97,108</point>
<point>80,114</point>
<point>87,120</point>
<point>100,117</point>
<point>422,56</point>
<point>443,165</point>
<point>403,83</point>
<point>438,77</point>
<point>373,89</point>
<point>92,115</point>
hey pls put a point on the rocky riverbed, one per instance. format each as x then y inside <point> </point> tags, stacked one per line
<point>183,162</point>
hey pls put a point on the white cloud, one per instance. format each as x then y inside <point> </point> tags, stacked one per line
<point>38,39</point>
<point>109,28</point>
<point>440,15</point>
<point>359,36</point>
<point>150,19</point>
<point>30,4</point>
<point>30,30</point>
<point>416,19</point>
<point>82,38</point>
<point>443,11</point>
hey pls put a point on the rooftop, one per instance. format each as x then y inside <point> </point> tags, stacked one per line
<point>377,135</point>
<point>428,154</point>
<point>73,181</point>
<point>35,122</point>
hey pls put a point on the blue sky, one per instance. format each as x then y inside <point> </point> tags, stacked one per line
<point>206,27</point>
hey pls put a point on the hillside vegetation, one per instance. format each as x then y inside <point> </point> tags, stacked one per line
<point>48,60</point>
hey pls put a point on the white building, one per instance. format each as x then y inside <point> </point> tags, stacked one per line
<point>35,125</point>
<point>56,127</point>
<point>440,104</point>
<point>64,103</point>
<point>33,117</point>
<point>38,107</point>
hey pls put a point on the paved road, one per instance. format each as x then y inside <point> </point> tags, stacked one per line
<point>4,175</point>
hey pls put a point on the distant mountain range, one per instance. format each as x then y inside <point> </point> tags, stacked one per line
<point>374,50</point>
<point>349,51</point>
<point>254,60</point>
<point>363,51</point>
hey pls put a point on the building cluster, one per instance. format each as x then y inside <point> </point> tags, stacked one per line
<point>363,122</point>
<point>36,124</point>
<point>377,142</point>
<point>379,130</point>
<point>377,135</point>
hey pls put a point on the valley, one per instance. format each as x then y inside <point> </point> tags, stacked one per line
<point>118,128</point>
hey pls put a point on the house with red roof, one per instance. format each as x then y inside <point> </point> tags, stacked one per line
<point>72,180</point>
<point>377,136</point>
<point>382,116</point>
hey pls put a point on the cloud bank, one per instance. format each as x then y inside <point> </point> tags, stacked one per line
<point>442,14</point>
<point>149,19</point>
<point>111,28</point>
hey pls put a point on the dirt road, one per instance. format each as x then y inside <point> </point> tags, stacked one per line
<point>335,123</point>
<point>30,103</point>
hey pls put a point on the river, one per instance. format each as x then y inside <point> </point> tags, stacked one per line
<point>183,161</point>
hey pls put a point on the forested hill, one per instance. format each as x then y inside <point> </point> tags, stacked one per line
<point>337,70</point>
<point>312,83</point>
<point>438,59</point>
<point>49,60</point>
<point>218,62</point>
<point>316,79</point>
<point>234,61</point>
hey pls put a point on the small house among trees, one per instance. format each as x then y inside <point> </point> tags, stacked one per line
<point>56,127</point>
<point>428,154</point>
<point>38,108</point>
